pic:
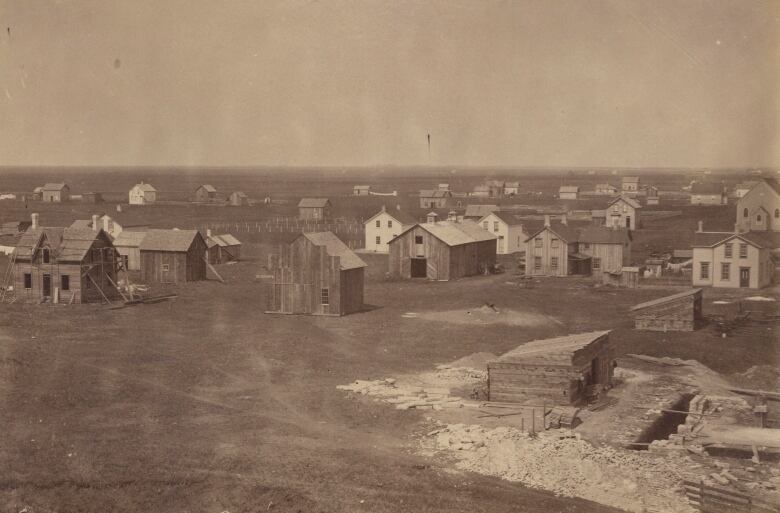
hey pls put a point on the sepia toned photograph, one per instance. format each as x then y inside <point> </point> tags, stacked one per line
<point>389,256</point>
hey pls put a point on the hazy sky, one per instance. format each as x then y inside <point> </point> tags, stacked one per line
<point>261,82</point>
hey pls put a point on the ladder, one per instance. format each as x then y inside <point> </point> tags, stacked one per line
<point>8,276</point>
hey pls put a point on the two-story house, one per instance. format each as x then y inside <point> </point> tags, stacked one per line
<point>384,226</point>
<point>630,185</point>
<point>734,260</point>
<point>623,212</point>
<point>552,251</point>
<point>508,230</point>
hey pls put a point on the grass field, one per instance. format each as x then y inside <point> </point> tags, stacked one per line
<point>204,404</point>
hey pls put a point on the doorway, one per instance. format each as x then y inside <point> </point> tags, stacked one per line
<point>744,277</point>
<point>419,267</point>
<point>628,222</point>
<point>47,285</point>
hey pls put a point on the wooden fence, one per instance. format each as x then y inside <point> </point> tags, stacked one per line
<point>723,499</point>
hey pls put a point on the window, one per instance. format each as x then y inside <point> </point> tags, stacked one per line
<point>65,282</point>
<point>758,218</point>
<point>728,250</point>
<point>553,242</point>
<point>325,296</point>
<point>777,213</point>
<point>484,225</point>
<point>725,271</point>
<point>743,251</point>
<point>596,263</point>
<point>587,245</point>
<point>537,263</point>
<point>418,239</point>
<point>495,226</point>
<point>625,208</point>
<point>166,268</point>
<point>378,240</point>
<point>554,263</point>
<point>389,223</point>
<point>378,223</point>
<point>27,280</point>
<point>537,242</point>
<point>745,213</point>
<point>46,255</point>
<point>704,273</point>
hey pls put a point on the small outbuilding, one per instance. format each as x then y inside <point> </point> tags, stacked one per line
<point>314,208</point>
<point>238,199</point>
<point>361,190</point>
<point>172,256</point>
<point>142,194</point>
<point>92,197</point>
<point>568,192</point>
<point>678,312</point>
<point>205,193</point>
<point>317,274</point>
<point>222,248</point>
<point>128,245</point>
<point>55,192</point>
<point>557,371</point>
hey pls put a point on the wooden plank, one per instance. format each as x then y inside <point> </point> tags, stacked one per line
<point>211,267</point>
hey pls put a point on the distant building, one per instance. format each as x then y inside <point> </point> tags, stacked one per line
<point>568,192</point>
<point>384,226</point>
<point>623,212</point>
<point>444,187</point>
<point>205,193</point>
<point>477,212</point>
<point>651,195</point>
<point>172,256</point>
<point>511,188</point>
<point>317,274</point>
<point>55,193</point>
<point>142,194</point>
<point>109,224</point>
<point>743,188</point>
<point>238,199</point>
<point>759,208</point>
<point>361,190</point>
<point>678,312</point>
<point>556,371</point>
<point>442,250</point>
<point>605,189</point>
<point>222,248</point>
<point>37,194</point>
<point>314,208</point>
<point>734,260</point>
<point>630,185</point>
<point>92,197</point>
<point>435,199</point>
<point>707,193</point>
<point>507,229</point>
<point>481,191</point>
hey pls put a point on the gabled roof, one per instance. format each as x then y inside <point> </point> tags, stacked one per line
<point>480,210</point>
<point>334,247</point>
<point>769,240</point>
<point>454,233</point>
<point>566,233</point>
<point>223,240</point>
<point>208,188</point>
<point>604,235</point>
<point>706,188</point>
<point>240,194</point>
<point>773,184</point>
<point>630,179</point>
<point>68,244</point>
<point>314,202</point>
<point>400,216</point>
<point>665,299</point>
<point>32,237</point>
<point>38,189</point>
<point>506,217</point>
<point>632,202</point>
<point>129,239</point>
<point>54,186</point>
<point>362,187</point>
<point>537,351</point>
<point>435,193</point>
<point>144,187</point>
<point>168,240</point>
<point>569,188</point>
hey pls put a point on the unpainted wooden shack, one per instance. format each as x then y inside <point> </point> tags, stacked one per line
<point>317,274</point>
<point>172,256</point>
<point>556,371</point>
<point>314,208</point>
<point>678,312</point>
<point>222,248</point>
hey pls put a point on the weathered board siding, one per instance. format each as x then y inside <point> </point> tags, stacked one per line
<point>303,270</point>
<point>561,379</point>
<point>612,257</point>
<point>133,257</point>
<point>313,212</point>
<point>182,266</point>
<point>443,262</point>
<point>546,252</point>
<point>683,314</point>
<point>220,254</point>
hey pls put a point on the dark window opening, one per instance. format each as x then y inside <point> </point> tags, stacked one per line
<point>27,280</point>
<point>65,282</point>
<point>418,239</point>
<point>46,256</point>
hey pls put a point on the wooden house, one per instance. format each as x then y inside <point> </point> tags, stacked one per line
<point>508,230</point>
<point>222,248</point>
<point>678,312</point>
<point>759,208</point>
<point>238,199</point>
<point>553,251</point>
<point>477,212</point>
<point>55,192</point>
<point>65,264</point>
<point>110,224</point>
<point>317,274</point>
<point>384,226</point>
<point>609,249</point>
<point>605,189</point>
<point>557,371</point>
<point>568,192</point>
<point>92,197</point>
<point>651,195</point>
<point>630,185</point>
<point>37,194</point>
<point>435,198</point>
<point>623,212</point>
<point>511,188</point>
<point>734,260</point>
<point>172,256</point>
<point>708,193</point>
<point>361,190</point>
<point>314,208</point>
<point>142,194</point>
<point>442,250</point>
<point>128,246</point>
<point>205,193</point>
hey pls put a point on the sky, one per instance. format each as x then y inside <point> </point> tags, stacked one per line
<point>557,83</point>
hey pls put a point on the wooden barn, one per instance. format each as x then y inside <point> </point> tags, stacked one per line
<point>678,312</point>
<point>172,256</point>
<point>557,371</point>
<point>314,208</point>
<point>67,265</point>
<point>205,193</point>
<point>317,274</point>
<point>442,250</point>
<point>222,248</point>
<point>238,199</point>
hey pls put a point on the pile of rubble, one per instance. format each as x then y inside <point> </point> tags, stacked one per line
<point>407,397</point>
<point>561,462</point>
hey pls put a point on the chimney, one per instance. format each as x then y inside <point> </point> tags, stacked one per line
<point>384,208</point>
<point>105,224</point>
<point>736,228</point>
<point>564,221</point>
<point>398,207</point>
<point>547,220</point>
<point>701,226</point>
<point>34,218</point>
<point>452,216</point>
<point>431,218</point>
<point>95,219</point>
<point>208,232</point>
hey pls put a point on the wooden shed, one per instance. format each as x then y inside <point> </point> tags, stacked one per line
<point>128,245</point>
<point>314,208</point>
<point>556,371</point>
<point>317,274</point>
<point>238,199</point>
<point>172,256</point>
<point>55,192</point>
<point>678,312</point>
<point>205,193</point>
<point>92,197</point>
<point>222,248</point>
<point>442,250</point>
